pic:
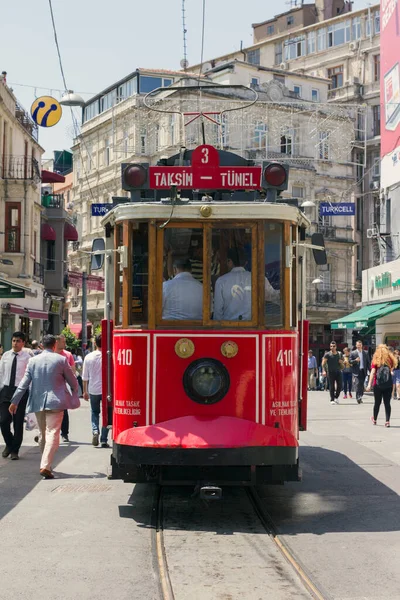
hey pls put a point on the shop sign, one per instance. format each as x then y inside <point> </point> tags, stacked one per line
<point>337,209</point>
<point>55,307</point>
<point>383,281</point>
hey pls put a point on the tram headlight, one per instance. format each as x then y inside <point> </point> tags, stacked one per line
<point>275,175</point>
<point>135,176</point>
<point>206,381</point>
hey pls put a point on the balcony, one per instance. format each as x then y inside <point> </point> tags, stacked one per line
<point>53,200</point>
<point>24,119</point>
<point>345,300</point>
<point>336,233</point>
<point>19,167</point>
<point>38,272</point>
<point>75,302</point>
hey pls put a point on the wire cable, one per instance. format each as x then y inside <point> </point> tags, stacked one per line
<point>57,46</point>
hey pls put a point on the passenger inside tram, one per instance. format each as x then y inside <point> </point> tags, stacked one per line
<point>183,294</point>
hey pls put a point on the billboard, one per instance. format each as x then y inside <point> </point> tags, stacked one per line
<point>390,75</point>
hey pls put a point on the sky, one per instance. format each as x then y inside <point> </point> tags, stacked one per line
<point>102,42</point>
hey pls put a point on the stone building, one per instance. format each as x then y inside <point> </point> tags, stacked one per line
<point>22,303</point>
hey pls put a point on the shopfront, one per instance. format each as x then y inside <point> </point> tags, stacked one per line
<point>379,317</point>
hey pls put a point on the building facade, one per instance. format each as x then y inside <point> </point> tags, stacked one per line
<point>22,302</point>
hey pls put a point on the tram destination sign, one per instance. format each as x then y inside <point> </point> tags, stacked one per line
<point>205,173</point>
<point>337,209</point>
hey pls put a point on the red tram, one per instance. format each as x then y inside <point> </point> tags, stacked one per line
<point>205,342</point>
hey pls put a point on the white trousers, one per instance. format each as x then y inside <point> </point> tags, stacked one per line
<point>49,422</point>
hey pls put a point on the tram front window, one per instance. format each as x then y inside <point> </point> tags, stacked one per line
<point>182,292</point>
<point>273,274</point>
<point>232,281</point>
<point>140,273</point>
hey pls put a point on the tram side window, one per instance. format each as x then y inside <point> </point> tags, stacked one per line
<point>273,275</point>
<point>140,273</point>
<point>182,294</point>
<point>231,278</point>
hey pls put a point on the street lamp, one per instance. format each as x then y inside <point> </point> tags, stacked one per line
<point>317,280</point>
<point>71,99</point>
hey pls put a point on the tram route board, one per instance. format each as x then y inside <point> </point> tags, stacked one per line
<point>205,173</point>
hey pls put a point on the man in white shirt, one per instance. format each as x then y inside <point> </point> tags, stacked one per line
<point>92,389</point>
<point>232,295</point>
<point>182,295</point>
<point>12,370</point>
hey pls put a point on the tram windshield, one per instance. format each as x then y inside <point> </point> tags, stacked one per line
<point>204,274</point>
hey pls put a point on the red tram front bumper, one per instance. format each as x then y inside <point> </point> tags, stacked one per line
<point>202,447</point>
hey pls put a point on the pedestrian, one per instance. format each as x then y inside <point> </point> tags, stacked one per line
<point>47,374</point>
<point>1,351</point>
<point>361,365</point>
<point>36,349</point>
<point>334,360</point>
<point>396,377</point>
<point>12,369</point>
<point>79,366</point>
<point>312,370</point>
<point>61,349</point>
<point>92,389</point>
<point>347,374</point>
<point>383,363</point>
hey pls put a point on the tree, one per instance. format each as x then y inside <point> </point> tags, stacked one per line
<point>72,341</point>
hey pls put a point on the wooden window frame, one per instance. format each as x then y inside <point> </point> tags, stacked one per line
<point>9,206</point>
<point>117,283</point>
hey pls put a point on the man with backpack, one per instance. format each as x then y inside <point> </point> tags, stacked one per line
<point>361,364</point>
<point>334,360</point>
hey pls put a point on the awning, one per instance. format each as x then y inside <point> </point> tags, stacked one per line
<point>9,289</point>
<point>76,328</point>
<point>366,316</point>
<point>38,314</point>
<point>70,233</point>
<point>15,309</point>
<point>47,233</point>
<point>50,177</point>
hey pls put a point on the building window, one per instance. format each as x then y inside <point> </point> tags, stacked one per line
<point>356,28</point>
<point>376,166</point>
<point>326,279</point>
<point>149,83</point>
<point>323,151</point>
<point>50,255</point>
<point>321,39</point>
<point>377,22</point>
<point>143,141</point>
<point>126,142</point>
<point>358,214</point>
<point>254,82</point>
<point>376,116</point>
<point>88,159</point>
<point>278,53</point>
<point>297,191</point>
<point>358,261</point>
<point>295,47</point>
<point>290,20</point>
<point>315,95</point>
<point>297,90</point>
<point>279,78</point>
<point>270,29</point>
<point>13,227</point>
<point>339,33</point>
<point>107,152</point>
<point>377,67</point>
<point>260,136</point>
<point>311,42</point>
<point>253,57</point>
<point>335,74</point>
<point>287,143</point>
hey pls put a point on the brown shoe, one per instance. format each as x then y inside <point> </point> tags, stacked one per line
<point>46,474</point>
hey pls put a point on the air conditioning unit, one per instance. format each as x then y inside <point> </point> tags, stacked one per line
<point>372,233</point>
<point>284,66</point>
<point>353,46</point>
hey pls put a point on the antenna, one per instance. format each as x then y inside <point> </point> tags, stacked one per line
<point>184,61</point>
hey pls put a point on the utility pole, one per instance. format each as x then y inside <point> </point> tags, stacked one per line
<point>84,312</point>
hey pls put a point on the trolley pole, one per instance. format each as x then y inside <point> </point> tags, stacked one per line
<point>84,312</point>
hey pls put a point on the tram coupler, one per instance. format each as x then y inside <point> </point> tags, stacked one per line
<point>210,492</point>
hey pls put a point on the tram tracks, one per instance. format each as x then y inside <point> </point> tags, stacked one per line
<point>292,580</point>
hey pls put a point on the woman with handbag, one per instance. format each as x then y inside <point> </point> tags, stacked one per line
<point>381,379</point>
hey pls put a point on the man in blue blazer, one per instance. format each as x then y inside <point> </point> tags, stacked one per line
<point>48,374</point>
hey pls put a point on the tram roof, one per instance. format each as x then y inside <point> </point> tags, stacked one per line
<point>220,210</point>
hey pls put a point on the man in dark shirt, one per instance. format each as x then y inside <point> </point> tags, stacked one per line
<point>335,363</point>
